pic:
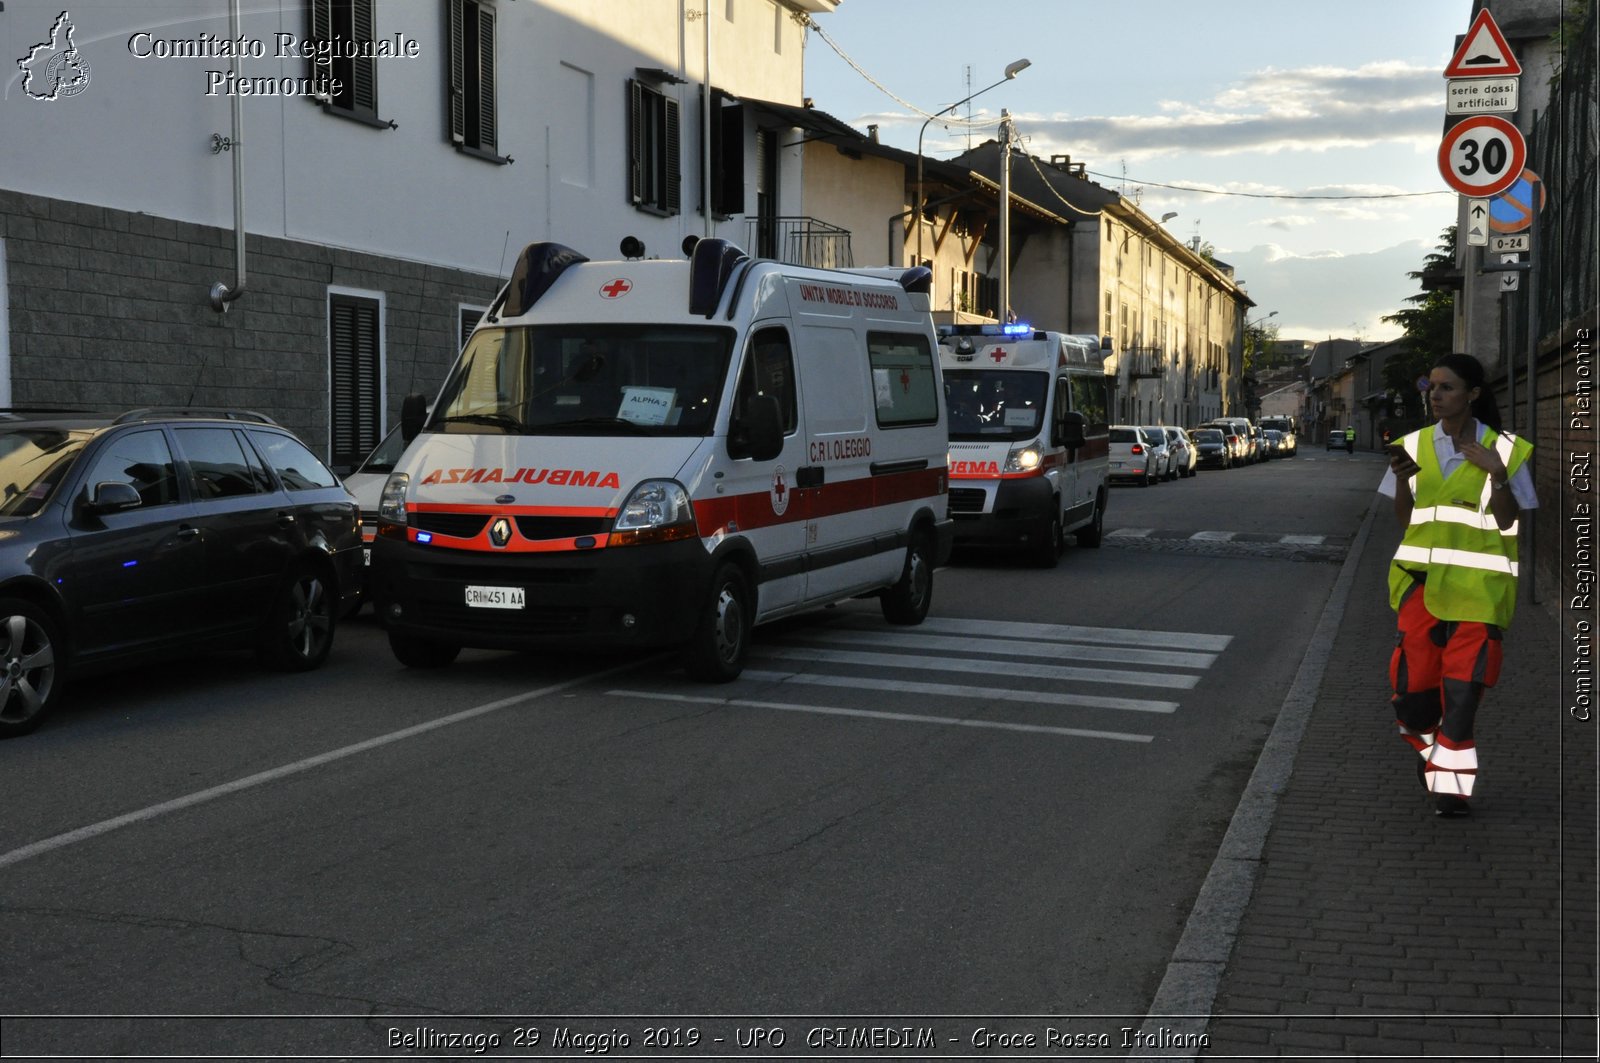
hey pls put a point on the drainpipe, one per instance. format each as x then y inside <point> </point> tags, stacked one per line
<point>222,294</point>
<point>705,127</point>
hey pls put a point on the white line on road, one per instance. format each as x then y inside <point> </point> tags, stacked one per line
<point>1304,540</point>
<point>955,690</point>
<point>1213,536</point>
<point>177,804</point>
<point>977,667</point>
<point>1120,636</point>
<point>1057,651</point>
<point>899,717</point>
<point>1129,533</point>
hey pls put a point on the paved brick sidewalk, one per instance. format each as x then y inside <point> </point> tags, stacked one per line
<point>1377,929</point>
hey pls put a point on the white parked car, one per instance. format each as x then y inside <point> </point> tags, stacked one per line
<point>1167,467</point>
<point>366,483</point>
<point>1133,458</point>
<point>1185,459</point>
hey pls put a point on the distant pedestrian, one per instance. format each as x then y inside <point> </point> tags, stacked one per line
<point>1350,439</point>
<point>1457,489</point>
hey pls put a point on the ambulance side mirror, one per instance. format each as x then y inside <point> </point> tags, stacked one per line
<point>758,431</point>
<point>413,411</point>
<point>1069,433</point>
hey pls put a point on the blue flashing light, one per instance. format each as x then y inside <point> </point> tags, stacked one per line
<point>1018,329</point>
<point>129,564</point>
<point>424,537</point>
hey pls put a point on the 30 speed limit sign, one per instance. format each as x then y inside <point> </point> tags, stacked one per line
<point>1482,156</point>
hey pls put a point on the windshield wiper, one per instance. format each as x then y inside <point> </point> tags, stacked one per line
<point>584,423</point>
<point>501,419</point>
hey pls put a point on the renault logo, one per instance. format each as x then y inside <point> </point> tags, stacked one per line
<point>500,532</point>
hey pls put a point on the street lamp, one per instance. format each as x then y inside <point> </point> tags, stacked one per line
<point>1012,70</point>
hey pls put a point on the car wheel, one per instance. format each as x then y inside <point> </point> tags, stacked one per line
<point>31,683</point>
<point>414,652</point>
<point>715,653</point>
<point>907,602</point>
<point>1090,535</point>
<point>299,631</point>
<point>1145,480</point>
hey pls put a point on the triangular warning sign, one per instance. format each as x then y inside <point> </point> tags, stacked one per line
<point>1483,53</point>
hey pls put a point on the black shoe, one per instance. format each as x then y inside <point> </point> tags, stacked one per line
<point>1451,805</point>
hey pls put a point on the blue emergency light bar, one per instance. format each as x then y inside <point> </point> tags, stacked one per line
<point>1017,330</point>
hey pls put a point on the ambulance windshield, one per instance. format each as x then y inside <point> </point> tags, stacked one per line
<point>598,379</point>
<point>995,404</point>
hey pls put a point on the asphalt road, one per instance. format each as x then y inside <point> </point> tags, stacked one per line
<point>1006,811</point>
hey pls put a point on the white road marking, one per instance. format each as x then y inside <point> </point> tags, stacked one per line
<point>199,797</point>
<point>1212,536</point>
<point>1304,540</point>
<point>979,667</point>
<point>898,717</point>
<point>956,690</point>
<point>1130,533</point>
<point>1060,651</point>
<point>1120,636</point>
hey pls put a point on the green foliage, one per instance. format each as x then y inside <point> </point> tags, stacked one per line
<point>1259,339</point>
<point>1429,325</point>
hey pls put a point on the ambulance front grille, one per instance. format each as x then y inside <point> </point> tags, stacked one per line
<point>456,525</point>
<point>966,500</point>
<point>561,527</point>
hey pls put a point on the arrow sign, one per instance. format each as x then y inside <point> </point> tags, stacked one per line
<point>1483,52</point>
<point>1510,282</point>
<point>1477,223</point>
<point>1482,156</point>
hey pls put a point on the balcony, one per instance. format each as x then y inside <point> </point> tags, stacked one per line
<point>1145,362</point>
<point>799,241</point>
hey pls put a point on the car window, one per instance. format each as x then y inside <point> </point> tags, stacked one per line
<point>1123,435</point>
<point>142,460</point>
<point>296,466</point>
<point>218,467</point>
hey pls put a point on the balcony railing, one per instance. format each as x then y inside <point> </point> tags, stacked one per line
<point>799,241</point>
<point>1145,362</point>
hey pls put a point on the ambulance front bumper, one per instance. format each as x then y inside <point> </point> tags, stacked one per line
<point>640,596</point>
<point>997,512</point>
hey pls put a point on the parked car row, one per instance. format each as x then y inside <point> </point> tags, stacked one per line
<point>1149,454</point>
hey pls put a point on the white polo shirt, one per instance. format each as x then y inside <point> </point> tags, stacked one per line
<point>1444,448</point>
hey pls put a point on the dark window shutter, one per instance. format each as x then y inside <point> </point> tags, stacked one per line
<point>672,174</point>
<point>635,142</point>
<point>319,27</point>
<point>353,405</point>
<point>727,180</point>
<point>458,74</point>
<point>363,72</point>
<point>486,138</point>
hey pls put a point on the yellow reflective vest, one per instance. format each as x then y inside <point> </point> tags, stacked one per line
<point>1468,565</point>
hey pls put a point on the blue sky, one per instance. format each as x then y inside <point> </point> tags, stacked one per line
<point>1241,96</point>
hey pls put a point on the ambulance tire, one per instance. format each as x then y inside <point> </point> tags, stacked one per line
<point>716,652</point>
<point>1047,551</point>
<point>421,653</point>
<point>1090,534</point>
<point>907,602</point>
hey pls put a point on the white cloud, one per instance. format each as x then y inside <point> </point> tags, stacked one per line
<point>1326,293</point>
<point>1288,221</point>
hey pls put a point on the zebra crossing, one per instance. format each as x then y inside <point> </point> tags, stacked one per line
<point>1037,678</point>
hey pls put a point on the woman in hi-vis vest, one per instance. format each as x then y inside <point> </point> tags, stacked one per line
<point>1457,489</point>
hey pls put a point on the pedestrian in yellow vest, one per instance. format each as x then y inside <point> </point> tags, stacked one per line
<point>1457,489</point>
<point>1349,439</point>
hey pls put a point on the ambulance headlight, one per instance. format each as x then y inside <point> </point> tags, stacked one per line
<point>1024,460</point>
<point>392,503</point>
<point>657,511</point>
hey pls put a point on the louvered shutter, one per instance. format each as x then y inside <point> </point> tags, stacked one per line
<point>458,74</point>
<point>672,174</point>
<point>635,142</point>
<point>319,27</point>
<point>353,403</point>
<point>486,137</point>
<point>363,72</point>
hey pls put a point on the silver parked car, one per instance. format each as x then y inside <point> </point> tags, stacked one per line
<point>1185,459</point>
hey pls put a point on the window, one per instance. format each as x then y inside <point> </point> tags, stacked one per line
<point>654,180</point>
<point>348,23</point>
<point>469,318</point>
<point>355,400</point>
<point>727,155</point>
<point>471,79</point>
<point>142,460</point>
<point>296,466</point>
<point>769,370</point>
<point>1089,397</point>
<point>218,467</point>
<point>902,379</point>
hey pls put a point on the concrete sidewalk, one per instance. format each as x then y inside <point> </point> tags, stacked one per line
<point>1373,927</point>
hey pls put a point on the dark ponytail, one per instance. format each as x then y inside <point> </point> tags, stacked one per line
<point>1470,370</point>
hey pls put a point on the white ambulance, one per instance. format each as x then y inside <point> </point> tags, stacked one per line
<point>1029,439</point>
<point>652,452</point>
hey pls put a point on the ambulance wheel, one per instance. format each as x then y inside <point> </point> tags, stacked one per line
<point>908,600</point>
<point>1091,534</point>
<point>1047,552</point>
<point>421,653</point>
<point>716,651</point>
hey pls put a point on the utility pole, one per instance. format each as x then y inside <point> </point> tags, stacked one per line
<point>1003,312</point>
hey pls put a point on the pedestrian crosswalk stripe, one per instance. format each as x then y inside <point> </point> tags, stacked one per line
<point>1120,636</point>
<point>980,667</point>
<point>956,690</point>
<point>1304,540</point>
<point>1213,536</point>
<point>1130,533</point>
<point>872,714</point>
<point>1062,651</point>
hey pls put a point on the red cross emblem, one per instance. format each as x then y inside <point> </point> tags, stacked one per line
<point>998,354</point>
<point>905,381</point>
<point>780,491</point>
<point>617,288</point>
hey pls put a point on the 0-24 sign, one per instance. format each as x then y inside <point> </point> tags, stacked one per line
<point>1482,156</point>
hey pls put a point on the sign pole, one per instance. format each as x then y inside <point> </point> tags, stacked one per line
<point>1531,382</point>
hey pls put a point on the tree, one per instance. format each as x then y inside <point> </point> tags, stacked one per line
<point>1259,340</point>
<point>1429,326</point>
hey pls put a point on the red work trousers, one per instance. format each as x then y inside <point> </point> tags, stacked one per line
<point>1439,671</point>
